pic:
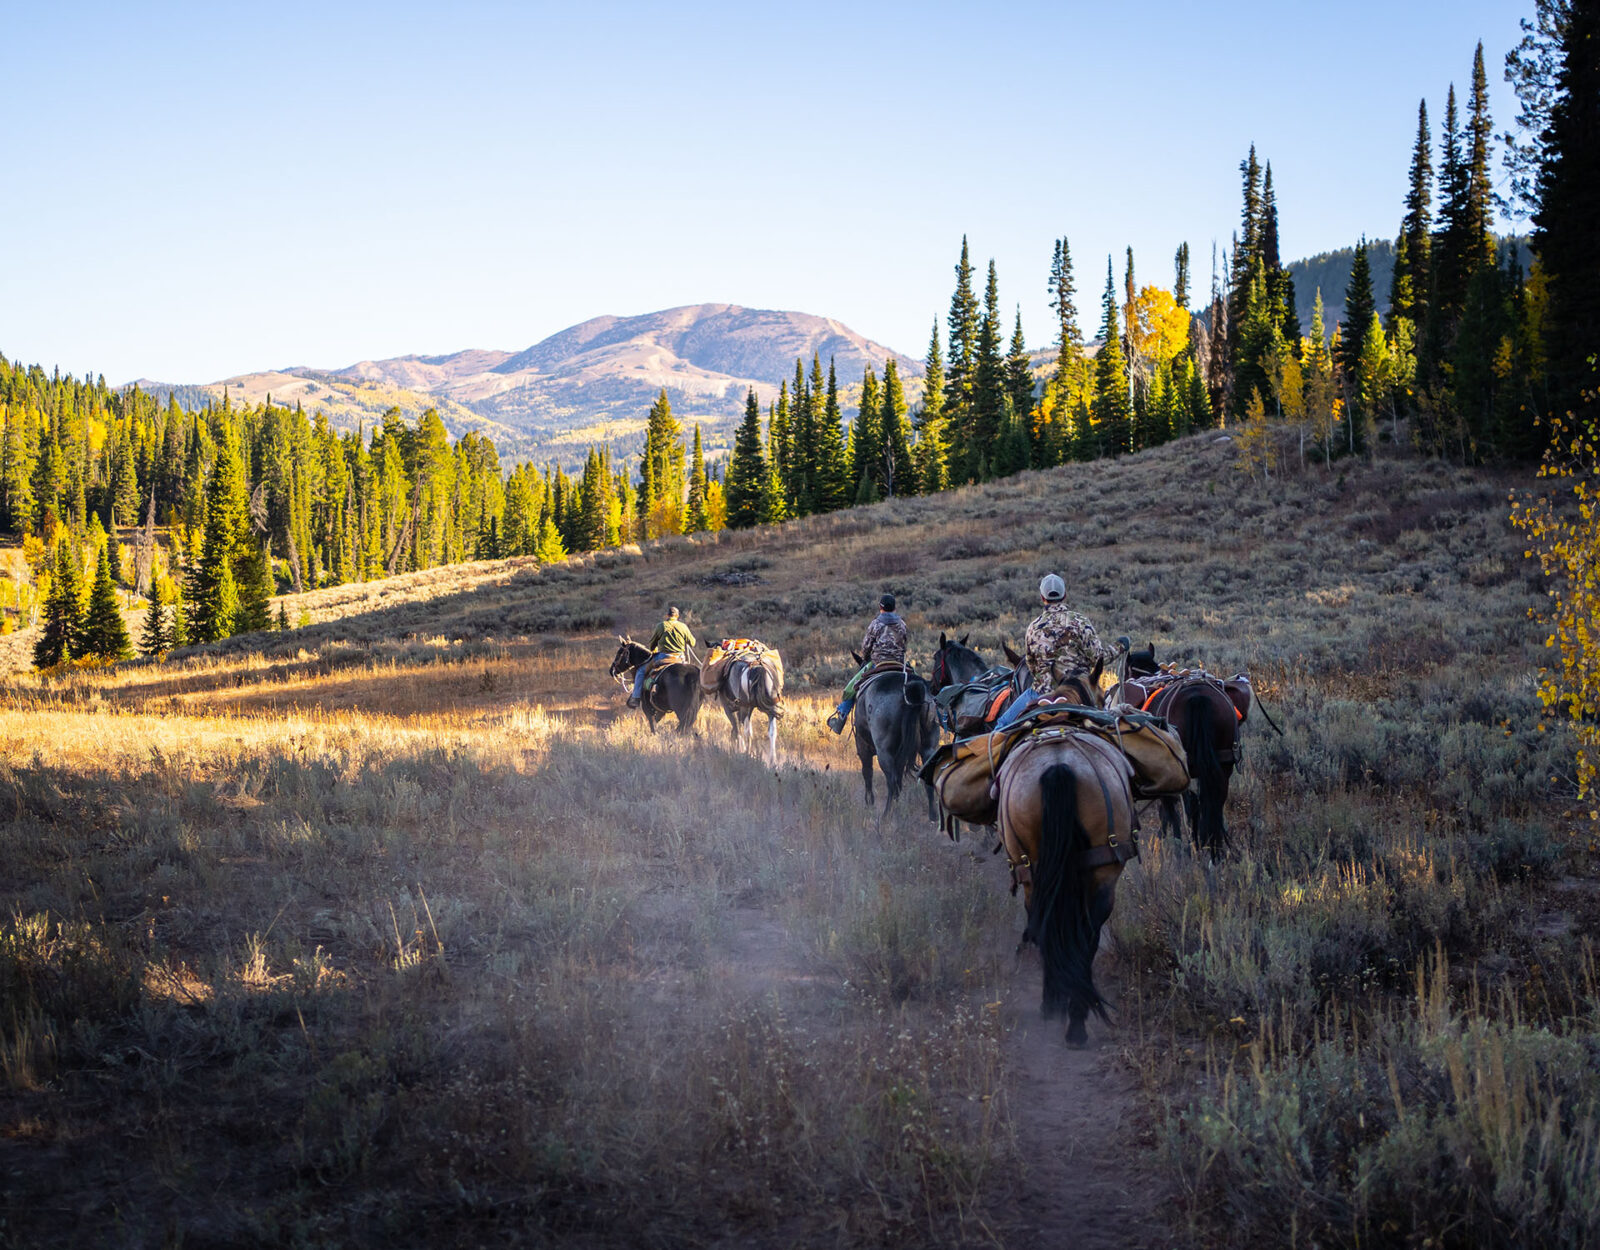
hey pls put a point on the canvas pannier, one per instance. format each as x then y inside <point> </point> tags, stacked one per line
<point>962,773</point>
<point>972,706</point>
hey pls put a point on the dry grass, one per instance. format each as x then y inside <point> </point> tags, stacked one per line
<point>391,927</point>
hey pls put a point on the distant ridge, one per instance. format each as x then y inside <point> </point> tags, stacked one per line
<point>591,382</point>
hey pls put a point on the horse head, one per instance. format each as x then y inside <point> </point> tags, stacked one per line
<point>954,663</point>
<point>1143,663</point>
<point>1082,686</point>
<point>629,655</point>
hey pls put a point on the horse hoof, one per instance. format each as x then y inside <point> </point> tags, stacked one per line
<point>1077,1035</point>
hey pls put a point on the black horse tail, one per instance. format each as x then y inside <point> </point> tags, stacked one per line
<point>1058,921</point>
<point>916,691</point>
<point>1199,743</point>
<point>908,724</point>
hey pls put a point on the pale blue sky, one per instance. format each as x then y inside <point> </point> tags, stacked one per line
<point>197,191</point>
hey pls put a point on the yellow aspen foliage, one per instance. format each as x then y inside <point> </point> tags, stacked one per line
<point>1158,327</point>
<point>1252,437</point>
<point>1563,530</point>
<point>716,507</point>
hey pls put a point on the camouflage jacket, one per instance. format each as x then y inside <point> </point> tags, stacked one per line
<point>1059,641</point>
<point>885,639</point>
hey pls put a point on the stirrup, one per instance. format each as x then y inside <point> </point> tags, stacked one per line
<point>836,723</point>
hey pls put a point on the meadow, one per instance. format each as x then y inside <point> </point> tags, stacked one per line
<point>394,927</point>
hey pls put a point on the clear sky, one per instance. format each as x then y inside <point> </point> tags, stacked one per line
<point>198,191</point>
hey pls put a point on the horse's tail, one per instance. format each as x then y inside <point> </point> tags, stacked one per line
<point>1199,743</point>
<point>916,690</point>
<point>908,730</point>
<point>1058,920</point>
<point>767,689</point>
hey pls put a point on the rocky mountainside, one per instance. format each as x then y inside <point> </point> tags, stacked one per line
<point>593,381</point>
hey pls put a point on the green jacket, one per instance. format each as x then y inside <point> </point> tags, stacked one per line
<point>672,636</point>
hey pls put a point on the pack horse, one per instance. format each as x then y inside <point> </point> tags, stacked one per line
<point>746,677</point>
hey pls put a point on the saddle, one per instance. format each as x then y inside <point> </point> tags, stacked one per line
<point>654,668</point>
<point>963,773</point>
<point>973,706</point>
<point>879,670</point>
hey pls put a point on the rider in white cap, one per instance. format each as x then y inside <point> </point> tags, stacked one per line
<point>1058,642</point>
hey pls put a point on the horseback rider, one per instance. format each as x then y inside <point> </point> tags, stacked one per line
<point>885,641</point>
<point>670,642</point>
<point>1058,641</point>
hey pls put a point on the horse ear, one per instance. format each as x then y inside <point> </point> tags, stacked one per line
<point>1094,673</point>
<point>963,641</point>
<point>622,640</point>
<point>1010,654</point>
<point>943,641</point>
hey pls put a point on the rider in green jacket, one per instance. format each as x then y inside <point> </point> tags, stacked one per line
<point>672,638</point>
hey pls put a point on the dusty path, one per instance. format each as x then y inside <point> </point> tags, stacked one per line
<point>1088,1182</point>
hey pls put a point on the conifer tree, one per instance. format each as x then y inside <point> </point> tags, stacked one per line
<point>961,369</point>
<point>1019,376</point>
<point>62,632</point>
<point>1180,276</point>
<point>155,639</point>
<point>213,598</point>
<point>105,633</point>
<point>747,470</point>
<point>866,443</point>
<point>256,588</point>
<point>833,470</point>
<point>661,472</point>
<point>549,549</point>
<point>1409,291</point>
<point>1113,408</point>
<point>932,466</point>
<point>899,468</point>
<point>1568,189</point>
<point>1359,305</point>
<point>696,522</point>
<point>988,386</point>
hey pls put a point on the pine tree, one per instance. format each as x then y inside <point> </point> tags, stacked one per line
<point>1409,291</point>
<point>212,612</point>
<point>155,639</point>
<point>1359,305</point>
<point>105,633</point>
<point>1113,409</point>
<point>988,386</point>
<point>549,549</point>
<point>1019,376</point>
<point>1180,277</point>
<point>62,631</point>
<point>866,442</point>
<point>1568,189</point>
<point>961,369</point>
<point>899,468</point>
<point>748,469</point>
<point>256,588</point>
<point>696,522</point>
<point>661,473</point>
<point>933,473</point>
<point>833,470</point>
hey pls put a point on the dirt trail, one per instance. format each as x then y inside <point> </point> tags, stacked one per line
<point>1088,1182</point>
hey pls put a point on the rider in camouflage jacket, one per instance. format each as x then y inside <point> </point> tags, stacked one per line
<point>1058,641</point>
<point>885,640</point>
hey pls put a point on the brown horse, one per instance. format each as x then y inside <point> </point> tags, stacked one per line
<point>1208,713</point>
<point>1067,823</point>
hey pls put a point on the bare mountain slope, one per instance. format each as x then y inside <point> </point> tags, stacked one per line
<point>593,381</point>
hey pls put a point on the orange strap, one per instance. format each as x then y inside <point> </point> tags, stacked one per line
<point>1000,700</point>
<point>1145,706</point>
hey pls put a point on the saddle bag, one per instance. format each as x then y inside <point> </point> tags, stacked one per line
<point>962,775</point>
<point>972,707</point>
<point>1153,748</point>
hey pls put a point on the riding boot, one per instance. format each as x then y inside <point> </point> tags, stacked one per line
<point>837,720</point>
<point>632,701</point>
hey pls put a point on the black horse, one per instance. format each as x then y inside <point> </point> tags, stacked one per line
<point>676,688</point>
<point>974,710</point>
<point>896,725</point>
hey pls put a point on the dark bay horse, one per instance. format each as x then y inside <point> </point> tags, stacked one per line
<point>747,686</point>
<point>1207,712</point>
<point>676,688</point>
<point>1067,823</point>
<point>895,724</point>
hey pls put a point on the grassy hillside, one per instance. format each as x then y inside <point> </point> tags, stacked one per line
<point>397,924</point>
